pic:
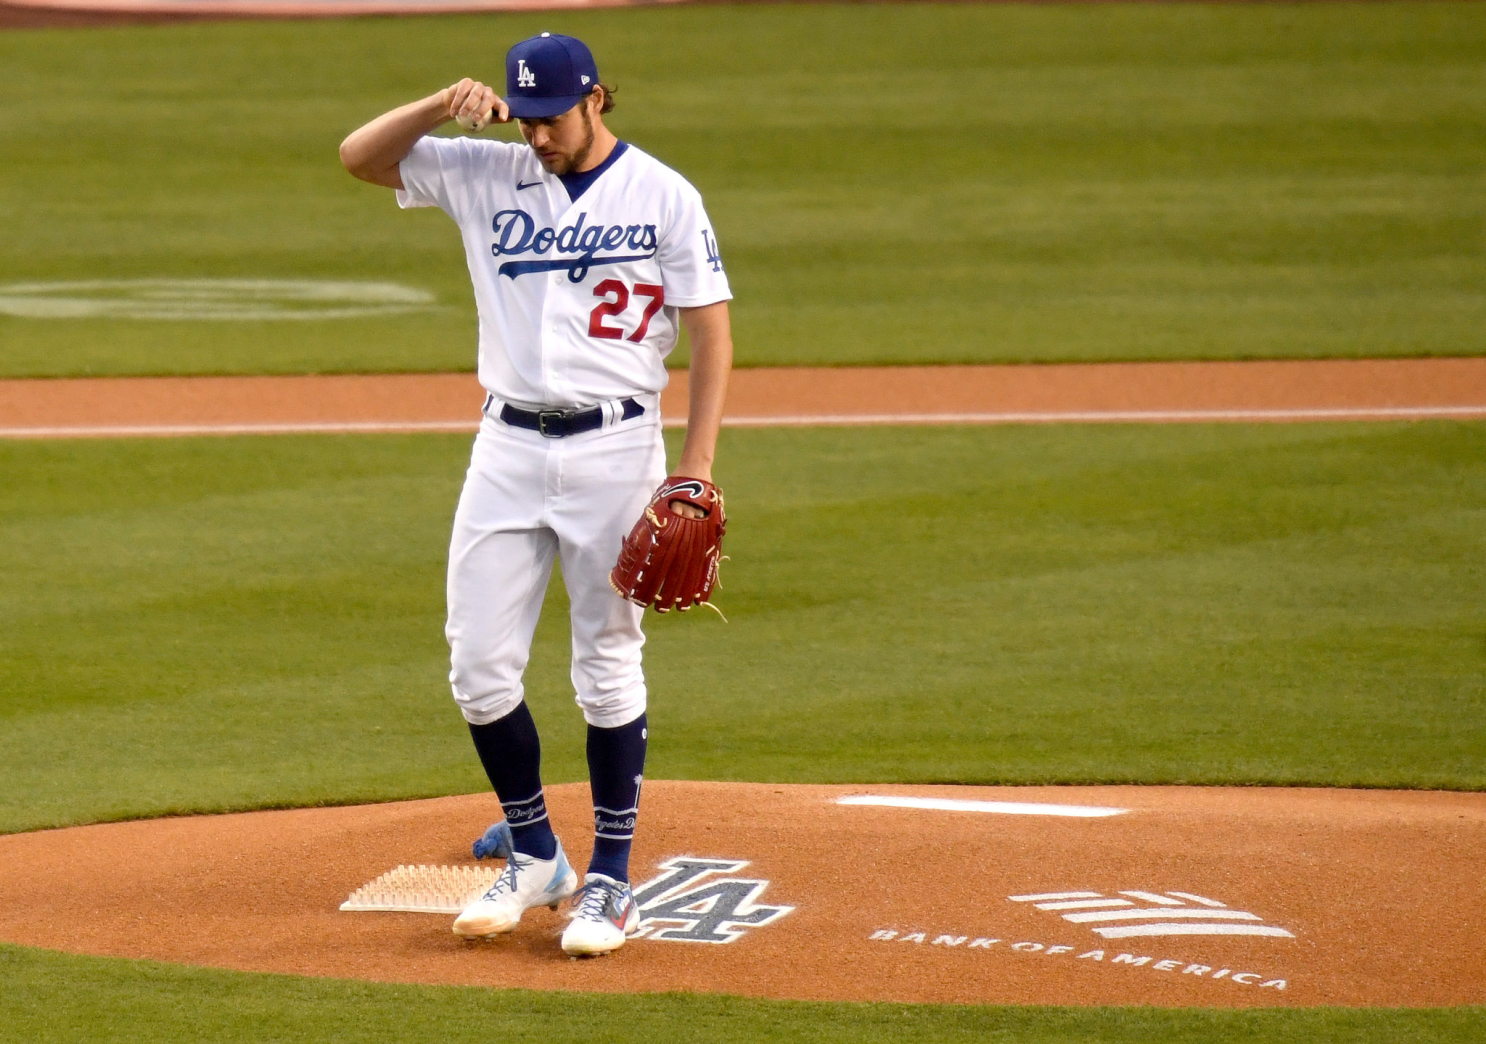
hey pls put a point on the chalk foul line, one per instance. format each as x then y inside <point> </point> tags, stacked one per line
<point>1096,416</point>
<point>783,421</point>
<point>275,428</point>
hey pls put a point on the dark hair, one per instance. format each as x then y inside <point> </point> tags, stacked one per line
<point>608,105</point>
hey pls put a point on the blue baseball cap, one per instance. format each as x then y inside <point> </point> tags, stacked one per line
<point>547,75</point>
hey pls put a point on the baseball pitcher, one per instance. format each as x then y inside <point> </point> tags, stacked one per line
<point>587,256</point>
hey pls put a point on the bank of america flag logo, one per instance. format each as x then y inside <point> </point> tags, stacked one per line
<point>1136,913</point>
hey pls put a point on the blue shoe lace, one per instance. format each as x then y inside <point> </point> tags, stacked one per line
<point>598,899</point>
<point>506,882</point>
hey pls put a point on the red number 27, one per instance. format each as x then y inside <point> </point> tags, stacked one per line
<point>606,308</point>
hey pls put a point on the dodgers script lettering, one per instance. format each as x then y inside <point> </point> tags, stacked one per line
<point>516,233</point>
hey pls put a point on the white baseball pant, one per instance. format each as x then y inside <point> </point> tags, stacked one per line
<point>527,498</point>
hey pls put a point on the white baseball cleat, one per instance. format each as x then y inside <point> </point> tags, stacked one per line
<point>605,917</point>
<point>525,882</point>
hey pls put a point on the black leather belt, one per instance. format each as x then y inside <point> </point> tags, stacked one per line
<point>559,424</point>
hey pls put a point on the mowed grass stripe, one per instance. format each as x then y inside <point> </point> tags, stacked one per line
<point>206,624</point>
<point>890,183</point>
<point>55,997</point>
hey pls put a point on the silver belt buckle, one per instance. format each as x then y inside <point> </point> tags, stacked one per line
<point>543,416</point>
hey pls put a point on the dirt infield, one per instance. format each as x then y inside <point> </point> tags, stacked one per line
<point>1354,898</point>
<point>1370,389</point>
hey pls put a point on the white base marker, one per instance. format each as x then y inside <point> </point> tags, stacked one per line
<point>1005,808</point>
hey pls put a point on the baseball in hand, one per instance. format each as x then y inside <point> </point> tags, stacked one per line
<point>474,121</point>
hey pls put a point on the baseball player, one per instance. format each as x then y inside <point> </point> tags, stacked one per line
<point>586,256</point>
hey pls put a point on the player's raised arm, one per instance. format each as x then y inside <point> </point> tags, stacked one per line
<point>372,152</point>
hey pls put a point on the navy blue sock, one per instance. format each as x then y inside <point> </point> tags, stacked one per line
<point>511,752</point>
<point>616,760</point>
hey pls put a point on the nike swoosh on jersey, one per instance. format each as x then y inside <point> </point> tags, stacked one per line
<point>527,185</point>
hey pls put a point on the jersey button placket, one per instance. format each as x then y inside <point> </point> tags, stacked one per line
<point>559,350</point>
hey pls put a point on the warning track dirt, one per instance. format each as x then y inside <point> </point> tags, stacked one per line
<point>1211,897</point>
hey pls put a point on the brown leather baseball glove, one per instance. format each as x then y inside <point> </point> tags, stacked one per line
<point>669,560</point>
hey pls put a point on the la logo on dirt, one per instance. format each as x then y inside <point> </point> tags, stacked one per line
<point>693,900</point>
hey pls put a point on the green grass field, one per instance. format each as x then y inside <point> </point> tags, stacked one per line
<point>55,998</point>
<point>898,183</point>
<point>229,623</point>
<point>211,624</point>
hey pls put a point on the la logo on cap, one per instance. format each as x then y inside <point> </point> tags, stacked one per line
<point>547,75</point>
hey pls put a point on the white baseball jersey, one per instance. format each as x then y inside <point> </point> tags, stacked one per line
<point>577,299</point>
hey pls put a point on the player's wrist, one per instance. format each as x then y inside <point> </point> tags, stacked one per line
<point>694,469</point>
<point>438,106</point>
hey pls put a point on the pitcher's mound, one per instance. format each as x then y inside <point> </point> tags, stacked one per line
<point>1047,895</point>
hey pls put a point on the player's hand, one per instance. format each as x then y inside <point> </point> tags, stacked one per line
<point>681,507</point>
<point>475,106</point>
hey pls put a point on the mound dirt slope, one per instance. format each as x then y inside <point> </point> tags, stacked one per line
<point>1343,897</point>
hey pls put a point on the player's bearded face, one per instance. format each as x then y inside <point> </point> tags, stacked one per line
<point>561,143</point>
